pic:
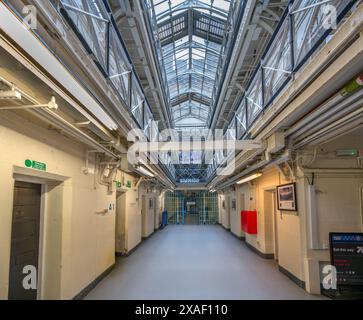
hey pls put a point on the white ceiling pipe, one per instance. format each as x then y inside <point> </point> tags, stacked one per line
<point>333,105</point>
<point>34,48</point>
<point>56,120</point>
<point>321,122</point>
<point>334,130</point>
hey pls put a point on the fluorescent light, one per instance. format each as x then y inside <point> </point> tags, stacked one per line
<point>145,171</point>
<point>250,178</point>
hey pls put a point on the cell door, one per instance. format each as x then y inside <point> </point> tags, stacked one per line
<point>24,240</point>
<point>120,221</point>
<point>143,216</point>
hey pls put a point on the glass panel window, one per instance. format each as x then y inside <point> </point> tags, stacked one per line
<point>311,24</point>
<point>191,35</point>
<point>137,103</point>
<point>254,98</point>
<point>277,63</point>
<point>119,67</point>
<point>91,20</point>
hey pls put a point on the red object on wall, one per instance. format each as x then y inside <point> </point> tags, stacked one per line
<point>249,221</point>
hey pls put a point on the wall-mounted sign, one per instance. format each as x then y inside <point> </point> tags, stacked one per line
<point>35,165</point>
<point>118,184</point>
<point>346,250</point>
<point>286,197</point>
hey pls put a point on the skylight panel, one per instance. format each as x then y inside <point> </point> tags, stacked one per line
<point>191,52</point>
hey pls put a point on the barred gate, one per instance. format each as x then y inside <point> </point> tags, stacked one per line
<point>192,207</point>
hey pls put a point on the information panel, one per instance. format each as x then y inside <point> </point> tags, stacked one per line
<point>347,257</point>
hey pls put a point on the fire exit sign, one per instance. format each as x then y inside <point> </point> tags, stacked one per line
<point>35,165</point>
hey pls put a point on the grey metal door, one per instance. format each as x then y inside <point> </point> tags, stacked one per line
<point>24,238</point>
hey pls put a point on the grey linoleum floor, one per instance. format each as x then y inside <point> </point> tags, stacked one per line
<point>195,262</point>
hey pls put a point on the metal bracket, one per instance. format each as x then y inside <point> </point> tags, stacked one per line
<point>119,74</point>
<point>51,105</point>
<point>278,70</point>
<point>311,6</point>
<point>286,170</point>
<point>253,102</point>
<point>75,9</point>
<point>86,170</point>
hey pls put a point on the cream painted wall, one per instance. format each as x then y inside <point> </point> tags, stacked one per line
<point>236,226</point>
<point>225,212</point>
<point>230,218</point>
<point>288,224</point>
<point>86,242</point>
<point>133,219</point>
<point>150,214</point>
<point>132,210</point>
<point>120,236</point>
<point>149,217</point>
<point>235,216</point>
<point>338,201</point>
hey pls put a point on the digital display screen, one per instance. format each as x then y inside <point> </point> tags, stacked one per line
<point>347,257</point>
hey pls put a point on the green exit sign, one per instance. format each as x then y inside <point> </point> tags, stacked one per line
<point>118,184</point>
<point>35,165</point>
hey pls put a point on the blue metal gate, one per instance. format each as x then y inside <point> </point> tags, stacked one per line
<point>191,207</point>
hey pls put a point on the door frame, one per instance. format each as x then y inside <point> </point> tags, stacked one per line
<point>44,179</point>
<point>144,206</point>
<point>41,240</point>
<point>274,228</point>
<point>156,213</point>
<point>120,193</point>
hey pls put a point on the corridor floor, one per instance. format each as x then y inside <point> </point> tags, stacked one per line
<point>195,263</point>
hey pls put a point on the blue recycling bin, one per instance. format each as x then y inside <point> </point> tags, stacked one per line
<point>164,218</point>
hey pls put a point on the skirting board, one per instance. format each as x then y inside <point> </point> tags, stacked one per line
<point>229,230</point>
<point>299,282</point>
<point>125,255</point>
<point>93,284</point>
<point>261,254</point>
<point>239,238</point>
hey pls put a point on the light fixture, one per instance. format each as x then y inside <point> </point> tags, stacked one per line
<point>145,171</point>
<point>12,94</point>
<point>250,178</point>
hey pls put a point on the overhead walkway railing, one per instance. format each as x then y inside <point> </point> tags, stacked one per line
<point>234,21</point>
<point>304,27</point>
<point>96,28</point>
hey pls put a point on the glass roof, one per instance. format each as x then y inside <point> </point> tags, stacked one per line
<point>191,34</point>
